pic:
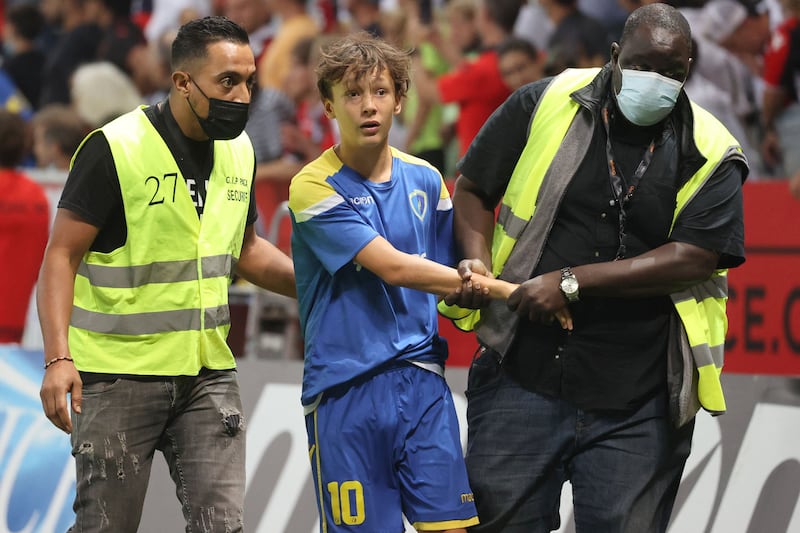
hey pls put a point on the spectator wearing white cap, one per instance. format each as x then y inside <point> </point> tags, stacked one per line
<point>730,36</point>
<point>739,26</point>
<point>101,92</point>
<point>167,15</point>
<point>713,98</point>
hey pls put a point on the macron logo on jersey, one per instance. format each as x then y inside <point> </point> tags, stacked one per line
<point>363,200</point>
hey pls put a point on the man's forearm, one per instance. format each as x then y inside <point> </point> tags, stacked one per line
<point>473,223</point>
<point>665,269</point>
<point>54,298</point>
<point>262,264</point>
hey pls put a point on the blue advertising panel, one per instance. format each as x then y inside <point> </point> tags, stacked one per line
<point>37,479</point>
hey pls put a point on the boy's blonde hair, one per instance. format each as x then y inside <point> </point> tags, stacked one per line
<point>361,54</point>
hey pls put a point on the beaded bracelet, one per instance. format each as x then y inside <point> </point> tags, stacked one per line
<point>56,360</point>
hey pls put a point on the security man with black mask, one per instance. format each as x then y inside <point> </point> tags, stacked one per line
<point>156,217</point>
<point>621,206</point>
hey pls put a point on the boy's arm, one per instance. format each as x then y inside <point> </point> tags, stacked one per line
<point>407,270</point>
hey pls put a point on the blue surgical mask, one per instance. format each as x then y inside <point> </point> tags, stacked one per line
<point>646,97</point>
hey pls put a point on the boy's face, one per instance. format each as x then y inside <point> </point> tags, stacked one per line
<point>364,109</point>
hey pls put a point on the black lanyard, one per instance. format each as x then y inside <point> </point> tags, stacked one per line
<point>623,190</point>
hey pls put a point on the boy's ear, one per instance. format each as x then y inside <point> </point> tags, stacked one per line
<point>328,105</point>
<point>398,106</point>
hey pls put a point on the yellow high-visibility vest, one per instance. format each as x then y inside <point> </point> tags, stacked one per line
<point>158,305</point>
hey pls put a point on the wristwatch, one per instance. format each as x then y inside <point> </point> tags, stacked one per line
<point>569,285</point>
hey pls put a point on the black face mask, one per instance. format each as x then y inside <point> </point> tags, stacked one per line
<point>226,119</point>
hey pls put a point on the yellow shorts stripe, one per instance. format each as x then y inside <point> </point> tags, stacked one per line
<point>444,526</point>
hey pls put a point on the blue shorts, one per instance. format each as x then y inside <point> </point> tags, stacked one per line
<point>385,445</point>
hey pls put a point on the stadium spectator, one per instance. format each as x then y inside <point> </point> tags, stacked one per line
<point>101,92</point>
<point>459,39</point>
<point>255,17</point>
<point>476,86</point>
<point>424,129</point>
<point>577,40</point>
<point>731,38</point>
<point>23,60</point>
<point>519,62</point>
<point>303,135</point>
<point>295,25</point>
<point>366,16</point>
<point>104,32</point>
<point>57,132</point>
<point>780,104</point>
<point>24,226</point>
<point>168,15</point>
<point>12,99</point>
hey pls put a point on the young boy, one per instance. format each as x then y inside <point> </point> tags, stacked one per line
<point>370,225</point>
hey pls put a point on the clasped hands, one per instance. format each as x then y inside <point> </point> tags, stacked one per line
<point>538,299</point>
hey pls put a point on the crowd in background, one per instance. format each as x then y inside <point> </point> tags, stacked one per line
<point>69,66</point>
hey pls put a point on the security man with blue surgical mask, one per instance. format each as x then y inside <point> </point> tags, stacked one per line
<point>620,206</point>
<point>644,97</point>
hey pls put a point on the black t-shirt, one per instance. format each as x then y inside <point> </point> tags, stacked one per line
<point>614,359</point>
<point>92,189</point>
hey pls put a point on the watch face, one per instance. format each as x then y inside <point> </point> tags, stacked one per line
<point>569,285</point>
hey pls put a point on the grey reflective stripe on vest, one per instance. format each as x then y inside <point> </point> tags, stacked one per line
<point>705,355</point>
<point>512,224</point>
<point>149,323</point>
<point>497,328</point>
<point>717,355</point>
<point>716,287</point>
<point>128,277</point>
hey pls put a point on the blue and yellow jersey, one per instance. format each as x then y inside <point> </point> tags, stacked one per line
<point>352,321</point>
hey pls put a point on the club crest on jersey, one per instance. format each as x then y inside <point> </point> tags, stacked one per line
<point>419,203</point>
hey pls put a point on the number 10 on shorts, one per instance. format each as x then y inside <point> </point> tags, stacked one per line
<point>344,498</point>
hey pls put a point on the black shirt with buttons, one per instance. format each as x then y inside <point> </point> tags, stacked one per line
<point>614,359</point>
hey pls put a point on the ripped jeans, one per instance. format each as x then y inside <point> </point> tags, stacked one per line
<point>196,421</point>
